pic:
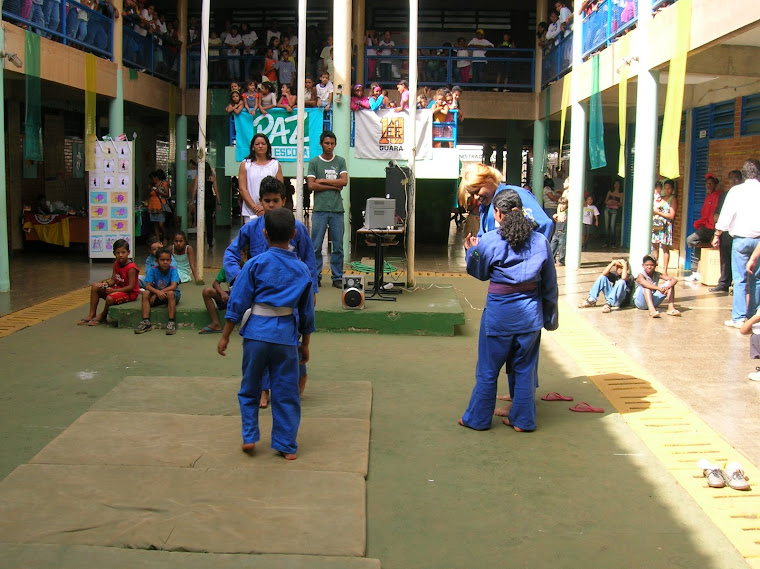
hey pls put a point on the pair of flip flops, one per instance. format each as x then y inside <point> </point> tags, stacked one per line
<point>209,330</point>
<point>581,407</point>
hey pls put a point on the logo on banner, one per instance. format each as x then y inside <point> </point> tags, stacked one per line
<point>283,134</point>
<point>391,134</point>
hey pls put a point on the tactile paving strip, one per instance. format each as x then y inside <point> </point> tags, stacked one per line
<point>672,431</point>
<point>21,319</point>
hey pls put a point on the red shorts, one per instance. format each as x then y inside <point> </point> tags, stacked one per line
<point>122,297</point>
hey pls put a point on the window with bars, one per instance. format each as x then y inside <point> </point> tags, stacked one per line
<point>750,117</point>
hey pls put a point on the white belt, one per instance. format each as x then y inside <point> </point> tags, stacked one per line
<point>261,309</point>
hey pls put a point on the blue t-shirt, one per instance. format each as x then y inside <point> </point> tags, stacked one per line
<point>161,280</point>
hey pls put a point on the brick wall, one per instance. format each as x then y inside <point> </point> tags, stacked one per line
<point>730,153</point>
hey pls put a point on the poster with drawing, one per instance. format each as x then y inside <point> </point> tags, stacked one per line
<point>111,197</point>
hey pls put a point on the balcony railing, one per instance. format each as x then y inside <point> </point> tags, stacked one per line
<point>557,60</point>
<point>501,68</point>
<point>69,22</point>
<point>605,21</point>
<point>147,54</point>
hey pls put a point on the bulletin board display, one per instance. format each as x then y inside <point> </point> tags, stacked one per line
<point>111,198</point>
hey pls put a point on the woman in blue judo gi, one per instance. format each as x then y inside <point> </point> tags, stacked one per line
<point>522,299</point>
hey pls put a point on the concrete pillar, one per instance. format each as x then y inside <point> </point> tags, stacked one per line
<point>5,272</point>
<point>578,149</point>
<point>341,119</point>
<point>182,17</point>
<point>539,158</point>
<point>358,21</point>
<point>514,154</point>
<point>116,109</point>
<point>180,170</point>
<point>645,145</point>
<point>541,16</point>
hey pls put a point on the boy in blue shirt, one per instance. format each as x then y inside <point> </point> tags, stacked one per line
<point>251,240</point>
<point>161,287</point>
<point>277,287</point>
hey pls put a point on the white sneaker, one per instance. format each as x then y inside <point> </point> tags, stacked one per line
<point>734,323</point>
<point>735,477</point>
<point>695,276</point>
<point>755,375</point>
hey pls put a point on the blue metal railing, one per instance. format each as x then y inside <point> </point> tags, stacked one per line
<point>68,21</point>
<point>557,60</point>
<point>605,21</point>
<point>510,68</point>
<point>222,68</point>
<point>147,54</point>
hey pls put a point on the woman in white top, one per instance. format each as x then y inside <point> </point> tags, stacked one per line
<point>253,169</point>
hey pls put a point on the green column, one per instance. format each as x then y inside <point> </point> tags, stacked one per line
<point>514,154</point>
<point>116,110</point>
<point>539,159</point>
<point>5,273</point>
<point>180,168</point>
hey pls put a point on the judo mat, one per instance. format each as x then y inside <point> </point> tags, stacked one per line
<point>204,442</point>
<point>90,557</point>
<point>156,465</point>
<point>218,396</point>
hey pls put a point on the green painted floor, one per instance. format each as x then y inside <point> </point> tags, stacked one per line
<point>582,491</point>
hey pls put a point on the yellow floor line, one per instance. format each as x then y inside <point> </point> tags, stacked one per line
<point>672,431</point>
<point>41,311</point>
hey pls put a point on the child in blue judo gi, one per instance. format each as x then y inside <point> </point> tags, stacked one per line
<point>251,240</point>
<point>522,299</point>
<point>277,287</point>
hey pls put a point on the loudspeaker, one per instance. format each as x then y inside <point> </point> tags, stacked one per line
<point>353,292</point>
<point>397,180</point>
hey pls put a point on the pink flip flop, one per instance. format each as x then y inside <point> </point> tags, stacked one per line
<point>584,407</point>
<point>554,396</point>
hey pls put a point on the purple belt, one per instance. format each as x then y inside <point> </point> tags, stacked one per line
<point>503,288</point>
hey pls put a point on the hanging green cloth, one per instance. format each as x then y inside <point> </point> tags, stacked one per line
<point>596,122</point>
<point>33,119</point>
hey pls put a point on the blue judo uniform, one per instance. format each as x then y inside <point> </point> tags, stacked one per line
<point>270,343</point>
<point>251,239</point>
<point>510,328</point>
<point>531,207</point>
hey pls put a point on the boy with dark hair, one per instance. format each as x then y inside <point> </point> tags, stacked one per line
<point>614,284</point>
<point>649,293</point>
<point>161,287</point>
<point>277,287</point>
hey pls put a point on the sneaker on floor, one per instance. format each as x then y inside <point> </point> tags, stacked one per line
<point>734,323</point>
<point>713,474</point>
<point>337,284</point>
<point>695,276</point>
<point>755,375</point>
<point>143,326</point>
<point>735,477</point>
<point>607,308</point>
<point>171,328</point>
<point>588,303</point>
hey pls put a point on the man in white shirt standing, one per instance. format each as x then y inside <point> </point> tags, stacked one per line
<point>478,65</point>
<point>386,48</point>
<point>740,216</point>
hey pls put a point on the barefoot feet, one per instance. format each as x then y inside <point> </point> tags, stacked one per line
<point>264,402</point>
<point>502,411</point>
<point>248,448</point>
<point>508,424</point>
<point>288,456</point>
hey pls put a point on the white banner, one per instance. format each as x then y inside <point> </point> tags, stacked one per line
<point>382,135</point>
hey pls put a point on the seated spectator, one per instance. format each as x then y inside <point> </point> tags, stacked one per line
<point>215,298</point>
<point>358,100</point>
<point>422,101</point>
<point>615,283</point>
<point>376,99</point>
<point>649,293</point>
<point>705,225</point>
<point>324,92</point>
<point>287,99</point>
<point>161,287</point>
<point>236,104</point>
<point>309,97</point>
<point>268,97</point>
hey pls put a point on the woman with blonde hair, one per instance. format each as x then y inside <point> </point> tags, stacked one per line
<point>483,183</point>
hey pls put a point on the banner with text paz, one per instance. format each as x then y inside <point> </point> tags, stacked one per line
<point>280,128</point>
<point>383,135</point>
